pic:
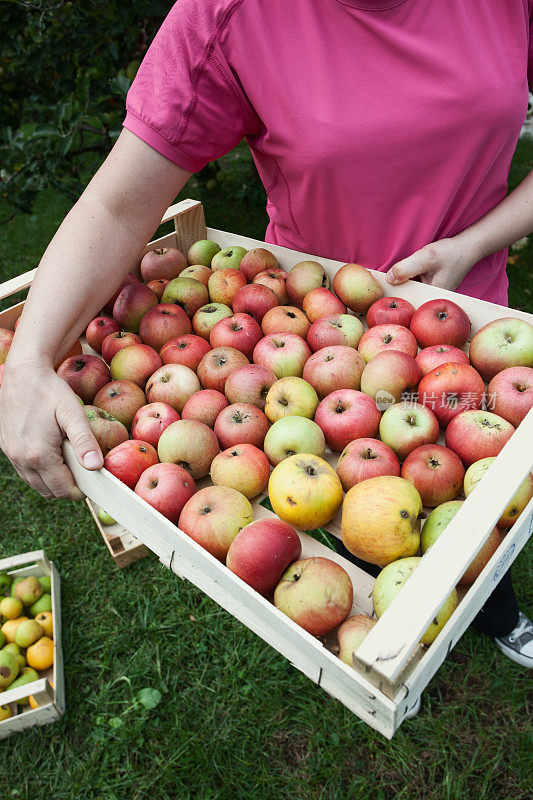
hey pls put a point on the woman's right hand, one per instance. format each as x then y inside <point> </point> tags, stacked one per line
<point>37,410</point>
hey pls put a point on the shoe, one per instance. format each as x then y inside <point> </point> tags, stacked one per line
<point>518,644</point>
<point>413,710</point>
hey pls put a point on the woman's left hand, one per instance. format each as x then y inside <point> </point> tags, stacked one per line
<point>444,264</point>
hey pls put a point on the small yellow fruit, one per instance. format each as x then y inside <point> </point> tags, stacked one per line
<point>9,628</point>
<point>33,702</point>
<point>41,654</point>
<point>5,713</point>
<point>11,607</point>
<point>46,622</point>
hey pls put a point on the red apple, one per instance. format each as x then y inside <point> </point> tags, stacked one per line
<point>127,461</point>
<point>98,329</point>
<point>207,317</point>
<point>224,284</point>
<point>187,293</point>
<point>164,262</point>
<point>115,342</point>
<point>436,472</point>
<point>334,330</point>
<point>510,394</point>
<point>501,344</point>
<point>440,322</point>
<point>214,516</point>
<point>255,300</point>
<point>450,389</point>
<point>239,331</point>
<point>199,272</point>
<point>162,323</point>
<point>85,375</point>
<point>345,415</point>
<point>250,384</point>
<point>387,337</point>
<point>256,261</point>
<point>187,350</point>
<point>122,399</point>
<point>284,354</point>
<point>321,302</point>
<point>356,287</point>
<point>405,426</point>
<point>130,278</point>
<point>365,458</point>
<point>431,357</point>
<point>304,276</point>
<point>132,304</point>
<point>135,363</point>
<point>274,279</point>
<point>262,551</point>
<point>390,311</point>
<point>241,423</point>
<point>190,444</point>
<point>333,368</point>
<point>107,430</point>
<point>216,366</point>
<point>477,434</point>
<point>158,286</point>
<point>172,384</point>
<point>389,377</point>
<point>166,487</point>
<point>243,467</point>
<point>75,350</point>
<point>151,420</point>
<point>285,319</point>
<point>204,406</point>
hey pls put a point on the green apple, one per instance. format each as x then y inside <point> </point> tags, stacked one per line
<point>500,344</point>
<point>5,583</point>
<point>291,435</point>
<point>105,518</point>
<point>229,257</point>
<point>44,603</point>
<point>289,397</point>
<point>202,252</point>
<point>518,501</point>
<point>46,583</point>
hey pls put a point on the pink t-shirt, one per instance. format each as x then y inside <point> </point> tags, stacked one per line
<point>377,126</point>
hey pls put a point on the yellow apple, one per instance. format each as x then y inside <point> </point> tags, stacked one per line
<point>518,501</point>
<point>351,634</point>
<point>305,491</point>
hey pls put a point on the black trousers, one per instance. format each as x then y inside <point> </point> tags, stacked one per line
<point>497,617</point>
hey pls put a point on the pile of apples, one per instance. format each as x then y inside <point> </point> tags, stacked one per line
<point>220,363</point>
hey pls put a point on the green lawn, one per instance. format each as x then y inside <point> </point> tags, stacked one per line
<point>235,719</point>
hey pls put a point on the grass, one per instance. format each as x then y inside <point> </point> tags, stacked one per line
<point>235,719</point>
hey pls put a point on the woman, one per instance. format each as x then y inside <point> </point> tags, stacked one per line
<point>382,130</point>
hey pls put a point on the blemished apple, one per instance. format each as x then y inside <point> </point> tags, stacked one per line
<point>275,279</point>
<point>477,434</point>
<point>243,467</point>
<point>356,287</point>
<point>96,332</point>
<point>188,350</point>
<point>387,337</point>
<point>302,278</point>
<point>262,551</point>
<point>366,458</point>
<point>224,284</point>
<point>284,354</point>
<point>239,331</point>
<point>290,397</point>
<point>214,516</point>
<point>166,487</point>
<point>255,300</point>
<point>351,635</point>
<point>198,272</point>
<point>256,261</point>
<point>510,394</point>
<point>135,363</point>
<point>163,322</point>
<point>322,302</point>
<point>450,389</point>
<point>151,420</point>
<point>405,426</point>
<point>250,384</point>
<point>346,415</point>
<point>122,399</point>
<point>431,357</point>
<point>130,278</point>
<point>207,317</point>
<point>285,319</point>
<point>85,375</point>
<point>116,341</point>
<point>440,322</point>
<point>381,519</point>
<point>228,257</point>
<point>389,582</point>
<point>216,366</point>
<point>127,461</point>
<point>305,491</point>
<point>163,262</point>
<point>316,593</point>
<point>107,430</point>
<point>241,423</point>
<point>191,444</point>
<point>436,472</point>
<point>332,368</point>
<point>134,301</point>
<point>202,252</point>
<point>172,384</point>
<point>518,501</point>
<point>204,406</point>
<point>6,337</point>
<point>437,522</point>
<point>291,435</point>
<point>158,286</point>
<point>336,329</point>
<point>390,376</point>
<point>390,310</point>
<point>187,293</point>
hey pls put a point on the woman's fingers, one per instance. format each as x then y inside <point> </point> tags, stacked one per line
<point>71,419</point>
<point>423,261</point>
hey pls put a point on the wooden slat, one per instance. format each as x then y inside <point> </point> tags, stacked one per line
<point>17,284</point>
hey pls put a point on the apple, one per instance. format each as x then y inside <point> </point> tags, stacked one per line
<point>389,377</point>
<point>214,516</point>
<point>510,394</point>
<point>166,487</point>
<point>304,276</point>
<point>127,461</point>
<point>356,287</point>
<point>172,384</point>
<point>290,397</point>
<point>390,311</point>
<point>241,423</point>
<point>187,293</point>
<point>6,337</point>
<point>450,389</point>
<point>187,350</point>
<point>207,317</point>
<point>162,323</point>
<point>239,331</point>
<point>291,435</point>
<point>284,354</point>
<point>256,300</point>
<point>189,443</point>
<point>202,252</point>
<point>75,350</point>
<point>477,434</point>
<point>518,501</point>
<point>151,420</point>
<point>405,426</point>
<point>285,319</point>
<point>437,522</point>
<point>256,261</point>
<point>85,375</point>
<point>250,384</point>
<point>321,302</point>
<point>107,430</point>
<point>243,467</point>
<point>164,262</point>
<point>216,366</point>
<point>122,399</point>
<point>346,415</point>
<point>440,322</point>
<point>262,551</point>
<point>381,519</point>
<point>436,472</point>
<point>158,286</point>
<point>316,593</point>
<point>135,363</point>
<point>305,491</point>
<point>389,582</point>
<point>387,337</point>
<point>224,284</point>
<point>351,635</point>
<point>366,458</point>
<point>132,304</point>
<point>431,357</point>
<point>116,341</point>
<point>332,368</point>
<point>130,278</point>
<point>228,258</point>
<point>336,329</point>
<point>96,332</point>
<point>204,406</point>
<point>198,272</point>
<point>105,518</point>
<point>276,280</point>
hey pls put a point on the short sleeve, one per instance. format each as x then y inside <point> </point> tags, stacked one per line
<point>185,101</point>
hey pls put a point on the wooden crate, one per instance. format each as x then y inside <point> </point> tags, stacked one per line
<point>392,667</point>
<point>48,691</point>
<point>124,548</point>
